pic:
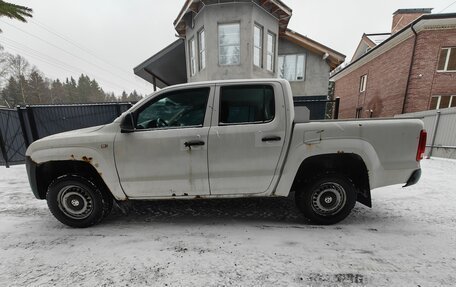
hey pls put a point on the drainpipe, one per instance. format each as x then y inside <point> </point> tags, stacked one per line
<point>410,69</point>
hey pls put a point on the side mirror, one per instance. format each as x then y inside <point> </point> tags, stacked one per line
<point>127,125</point>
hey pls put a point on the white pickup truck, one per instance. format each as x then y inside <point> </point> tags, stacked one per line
<point>224,139</point>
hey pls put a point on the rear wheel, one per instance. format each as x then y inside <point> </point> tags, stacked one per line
<point>327,199</point>
<point>77,202</point>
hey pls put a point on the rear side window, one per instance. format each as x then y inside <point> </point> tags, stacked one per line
<point>246,104</point>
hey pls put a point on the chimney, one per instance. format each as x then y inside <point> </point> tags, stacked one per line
<point>404,17</point>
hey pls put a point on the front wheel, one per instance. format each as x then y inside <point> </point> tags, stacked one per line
<point>77,202</point>
<point>327,199</point>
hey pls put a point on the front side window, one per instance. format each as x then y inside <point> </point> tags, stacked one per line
<point>229,44</point>
<point>202,49</point>
<point>191,46</point>
<point>271,52</point>
<point>246,104</point>
<point>363,83</point>
<point>292,67</point>
<point>442,102</point>
<point>447,60</point>
<point>184,108</point>
<point>258,46</point>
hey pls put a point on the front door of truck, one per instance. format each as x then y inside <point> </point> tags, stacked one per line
<point>167,153</point>
<point>246,139</point>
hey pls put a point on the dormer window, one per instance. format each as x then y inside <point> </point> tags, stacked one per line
<point>258,46</point>
<point>192,52</point>
<point>229,44</point>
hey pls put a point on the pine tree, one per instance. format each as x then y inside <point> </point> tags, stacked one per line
<point>11,94</point>
<point>14,11</point>
<point>124,97</point>
<point>37,88</point>
<point>134,96</point>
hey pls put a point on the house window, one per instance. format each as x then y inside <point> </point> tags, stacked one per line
<point>271,52</point>
<point>447,60</point>
<point>442,102</point>
<point>202,49</point>
<point>192,52</point>
<point>363,83</point>
<point>258,46</point>
<point>292,67</point>
<point>229,44</point>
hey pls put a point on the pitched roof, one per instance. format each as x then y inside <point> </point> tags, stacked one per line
<point>275,7</point>
<point>439,21</point>
<point>334,58</point>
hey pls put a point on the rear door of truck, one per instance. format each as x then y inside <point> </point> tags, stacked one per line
<point>246,138</point>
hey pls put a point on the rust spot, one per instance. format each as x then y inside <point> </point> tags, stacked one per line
<point>198,197</point>
<point>340,151</point>
<point>87,159</point>
<point>185,194</point>
<point>72,157</point>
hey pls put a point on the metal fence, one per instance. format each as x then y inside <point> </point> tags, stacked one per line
<point>441,128</point>
<point>26,124</point>
<point>319,106</point>
<point>20,127</point>
<point>12,144</point>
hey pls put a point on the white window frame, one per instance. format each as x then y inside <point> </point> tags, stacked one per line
<point>270,66</point>
<point>230,45</point>
<point>363,83</point>
<point>258,46</point>
<point>192,56</point>
<point>439,101</point>
<point>202,49</point>
<point>295,67</point>
<point>447,60</point>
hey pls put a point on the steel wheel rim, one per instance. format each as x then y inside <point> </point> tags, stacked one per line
<point>328,199</point>
<point>75,202</point>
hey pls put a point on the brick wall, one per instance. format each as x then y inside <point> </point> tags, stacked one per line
<point>401,20</point>
<point>387,78</point>
<point>425,81</point>
<point>388,75</point>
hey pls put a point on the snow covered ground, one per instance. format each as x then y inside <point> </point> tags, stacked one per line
<point>407,239</point>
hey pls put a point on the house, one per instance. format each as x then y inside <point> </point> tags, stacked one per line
<point>246,39</point>
<point>410,69</point>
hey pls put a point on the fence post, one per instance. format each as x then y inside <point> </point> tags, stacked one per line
<point>3,150</point>
<point>32,123</point>
<point>118,109</point>
<point>23,127</point>
<point>336,108</point>
<point>436,126</point>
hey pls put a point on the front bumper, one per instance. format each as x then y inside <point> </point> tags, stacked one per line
<point>414,178</point>
<point>30,165</point>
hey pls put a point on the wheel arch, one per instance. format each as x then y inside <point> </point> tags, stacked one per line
<point>47,172</point>
<point>350,165</point>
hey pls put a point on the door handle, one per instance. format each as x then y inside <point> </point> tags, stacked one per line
<point>271,139</point>
<point>189,144</point>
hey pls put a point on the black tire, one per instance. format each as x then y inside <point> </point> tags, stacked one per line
<point>77,201</point>
<point>327,199</point>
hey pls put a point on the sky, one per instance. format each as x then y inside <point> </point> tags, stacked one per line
<point>106,39</point>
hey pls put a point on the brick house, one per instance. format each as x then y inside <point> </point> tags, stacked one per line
<point>411,69</point>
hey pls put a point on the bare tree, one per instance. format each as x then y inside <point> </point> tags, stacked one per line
<point>19,68</point>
